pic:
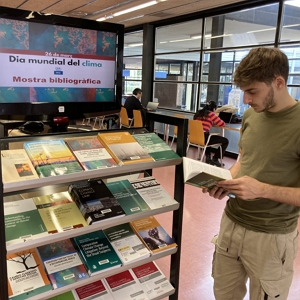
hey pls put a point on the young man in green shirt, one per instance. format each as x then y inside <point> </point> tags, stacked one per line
<point>258,236</point>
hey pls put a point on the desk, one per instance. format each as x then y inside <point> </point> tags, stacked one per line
<point>232,127</point>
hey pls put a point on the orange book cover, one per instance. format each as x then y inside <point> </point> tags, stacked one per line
<point>153,234</point>
<point>26,275</point>
<point>124,148</point>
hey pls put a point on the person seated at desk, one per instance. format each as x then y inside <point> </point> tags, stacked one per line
<point>134,102</point>
<point>208,118</point>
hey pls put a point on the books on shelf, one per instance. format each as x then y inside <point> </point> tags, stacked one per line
<point>95,200</point>
<point>155,146</point>
<point>126,243</point>
<point>124,286</point>
<point>22,221</point>
<point>52,157</point>
<point>16,166</point>
<point>59,212</point>
<point>62,263</point>
<point>203,175</point>
<point>152,192</point>
<point>26,276</point>
<point>96,252</point>
<point>153,235</point>
<point>90,153</point>
<point>128,197</point>
<point>95,290</point>
<point>153,281</point>
<point>124,148</point>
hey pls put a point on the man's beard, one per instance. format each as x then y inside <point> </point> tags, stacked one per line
<point>269,101</point>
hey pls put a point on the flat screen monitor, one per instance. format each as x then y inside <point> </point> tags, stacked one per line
<point>53,65</point>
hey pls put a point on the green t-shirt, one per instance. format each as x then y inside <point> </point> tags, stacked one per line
<point>270,144</point>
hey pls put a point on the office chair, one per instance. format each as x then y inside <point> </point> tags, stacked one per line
<point>137,118</point>
<point>176,128</point>
<point>197,138</point>
<point>124,120</point>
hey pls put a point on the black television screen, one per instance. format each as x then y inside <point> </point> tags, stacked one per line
<point>53,65</point>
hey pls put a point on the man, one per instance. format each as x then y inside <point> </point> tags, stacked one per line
<point>134,102</point>
<point>258,235</point>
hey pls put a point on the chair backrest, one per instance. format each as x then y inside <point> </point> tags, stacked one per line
<point>196,133</point>
<point>178,116</point>
<point>137,118</point>
<point>124,117</point>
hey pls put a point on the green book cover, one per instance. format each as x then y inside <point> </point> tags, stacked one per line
<point>155,146</point>
<point>96,252</point>
<point>22,221</point>
<point>130,200</point>
<point>65,296</point>
<point>95,200</point>
<point>52,158</point>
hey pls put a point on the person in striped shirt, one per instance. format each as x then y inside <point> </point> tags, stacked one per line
<point>208,118</point>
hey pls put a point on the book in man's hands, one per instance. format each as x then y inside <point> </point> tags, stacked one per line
<point>203,175</point>
<point>124,148</point>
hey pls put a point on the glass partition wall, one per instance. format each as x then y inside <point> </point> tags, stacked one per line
<point>194,60</point>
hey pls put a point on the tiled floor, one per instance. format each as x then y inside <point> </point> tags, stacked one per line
<point>201,222</point>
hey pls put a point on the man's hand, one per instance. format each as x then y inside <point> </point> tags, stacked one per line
<point>216,192</point>
<point>245,187</point>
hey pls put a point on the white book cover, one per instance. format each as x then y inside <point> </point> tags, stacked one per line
<point>152,192</point>
<point>96,290</point>
<point>126,243</point>
<point>153,281</point>
<point>123,286</point>
<point>16,166</point>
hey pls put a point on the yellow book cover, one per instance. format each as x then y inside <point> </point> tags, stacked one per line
<point>16,166</point>
<point>152,234</point>
<point>59,212</point>
<point>124,148</point>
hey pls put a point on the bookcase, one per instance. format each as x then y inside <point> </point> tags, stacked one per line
<point>49,184</point>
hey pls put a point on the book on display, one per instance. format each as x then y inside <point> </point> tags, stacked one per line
<point>62,263</point>
<point>153,235</point>
<point>124,286</point>
<point>124,148</point>
<point>59,212</point>
<point>128,197</point>
<point>16,166</point>
<point>155,146</point>
<point>96,252</point>
<point>26,276</point>
<point>22,222</point>
<point>95,290</point>
<point>52,158</point>
<point>95,200</point>
<point>126,243</point>
<point>153,281</point>
<point>90,153</point>
<point>152,192</point>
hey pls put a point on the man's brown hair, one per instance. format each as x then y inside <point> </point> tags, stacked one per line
<point>263,65</point>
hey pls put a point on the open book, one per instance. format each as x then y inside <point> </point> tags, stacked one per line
<point>203,175</point>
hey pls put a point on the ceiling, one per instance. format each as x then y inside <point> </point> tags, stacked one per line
<point>94,9</point>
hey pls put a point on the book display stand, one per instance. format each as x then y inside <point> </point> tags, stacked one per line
<point>48,184</point>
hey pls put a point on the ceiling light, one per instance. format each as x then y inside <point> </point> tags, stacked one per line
<point>293,3</point>
<point>294,25</point>
<point>134,45</point>
<point>125,11</point>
